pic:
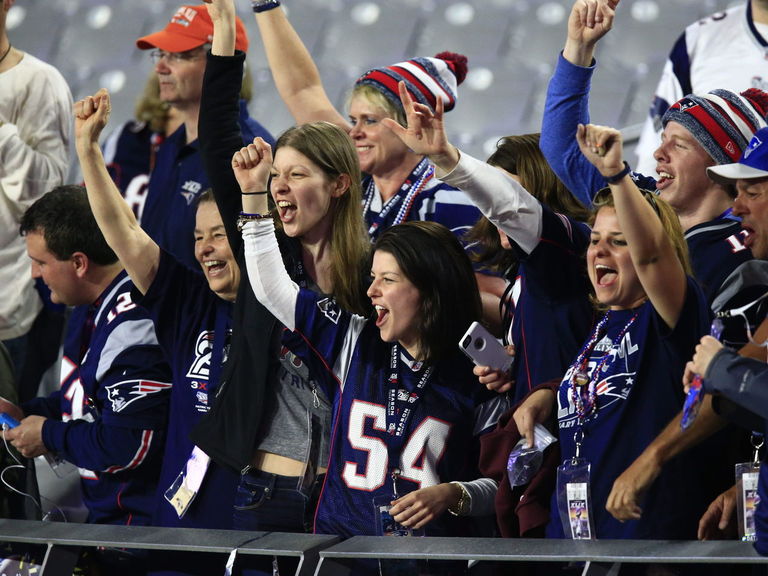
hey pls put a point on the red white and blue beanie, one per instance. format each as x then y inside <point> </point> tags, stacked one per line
<point>426,79</point>
<point>722,121</point>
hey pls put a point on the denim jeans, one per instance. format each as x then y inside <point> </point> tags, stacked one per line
<point>272,503</point>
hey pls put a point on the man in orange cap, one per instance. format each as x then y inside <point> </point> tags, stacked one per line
<point>178,178</point>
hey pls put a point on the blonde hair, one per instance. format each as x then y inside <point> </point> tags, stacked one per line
<point>331,149</point>
<point>377,99</point>
<point>149,108</point>
<point>669,220</point>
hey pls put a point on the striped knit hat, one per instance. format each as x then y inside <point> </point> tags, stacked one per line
<point>426,79</point>
<point>721,121</point>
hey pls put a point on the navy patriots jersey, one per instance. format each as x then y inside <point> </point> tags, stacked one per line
<point>439,443</point>
<point>187,316</point>
<point>113,404</point>
<point>176,181</point>
<point>716,249</point>
<point>552,290</point>
<point>129,153</point>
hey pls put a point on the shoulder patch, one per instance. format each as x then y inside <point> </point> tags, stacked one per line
<point>124,393</point>
<point>330,309</point>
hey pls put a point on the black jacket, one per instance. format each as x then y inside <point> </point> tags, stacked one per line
<point>229,432</point>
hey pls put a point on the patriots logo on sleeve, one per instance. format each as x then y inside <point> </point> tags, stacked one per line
<point>330,309</point>
<point>124,393</point>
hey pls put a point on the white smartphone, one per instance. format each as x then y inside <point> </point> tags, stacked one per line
<point>484,349</point>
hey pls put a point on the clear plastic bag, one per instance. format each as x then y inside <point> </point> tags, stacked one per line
<point>524,461</point>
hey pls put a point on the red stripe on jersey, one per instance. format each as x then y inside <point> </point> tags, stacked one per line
<point>141,454</point>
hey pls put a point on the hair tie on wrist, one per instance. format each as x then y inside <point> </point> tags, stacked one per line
<point>617,177</point>
<point>259,193</point>
<point>264,5</point>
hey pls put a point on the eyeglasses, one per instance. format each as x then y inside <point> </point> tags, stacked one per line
<point>176,57</point>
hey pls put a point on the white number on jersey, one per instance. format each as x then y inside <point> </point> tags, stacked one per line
<point>418,459</point>
<point>75,394</point>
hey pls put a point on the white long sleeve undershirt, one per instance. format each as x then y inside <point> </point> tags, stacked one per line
<point>275,289</point>
<point>501,199</point>
<point>269,279</point>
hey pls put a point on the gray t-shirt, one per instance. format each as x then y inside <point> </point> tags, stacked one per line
<point>297,421</point>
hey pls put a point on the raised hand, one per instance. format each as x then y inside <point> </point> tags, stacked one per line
<point>220,9</point>
<point>91,116</point>
<point>588,22</point>
<point>603,147</point>
<point>536,409</point>
<point>222,13</point>
<point>424,132</point>
<point>252,165</point>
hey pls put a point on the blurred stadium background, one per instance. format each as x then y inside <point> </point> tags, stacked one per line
<point>512,46</point>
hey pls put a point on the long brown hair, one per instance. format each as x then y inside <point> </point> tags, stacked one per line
<point>331,149</point>
<point>520,155</point>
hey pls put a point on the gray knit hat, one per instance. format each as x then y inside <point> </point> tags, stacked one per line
<point>722,121</point>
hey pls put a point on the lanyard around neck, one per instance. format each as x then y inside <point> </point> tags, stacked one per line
<point>400,402</point>
<point>404,198</point>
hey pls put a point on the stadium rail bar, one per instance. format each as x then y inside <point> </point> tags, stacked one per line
<point>64,540</point>
<point>600,557</point>
<point>324,555</point>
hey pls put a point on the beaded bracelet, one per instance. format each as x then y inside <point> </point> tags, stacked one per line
<point>246,217</point>
<point>617,177</point>
<point>264,5</point>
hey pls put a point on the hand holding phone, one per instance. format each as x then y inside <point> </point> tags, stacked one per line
<point>484,349</point>
<point>9,421</point>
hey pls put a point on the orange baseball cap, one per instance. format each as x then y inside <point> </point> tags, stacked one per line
<point>189,28</point>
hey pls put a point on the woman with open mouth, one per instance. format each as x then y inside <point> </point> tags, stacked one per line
<point>270,421</point>
<point>405,400</point>
<point>623,387</point>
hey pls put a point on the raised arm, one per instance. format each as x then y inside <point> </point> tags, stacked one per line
<point>219,133</point>
<point>294,72</point>
<point>138,253</point>
<point>654,257</point>
<point>588,22</point>
<point>269,279</point>
<point>567,102</point>
<point>505,202</point>
<point>222,13</point>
